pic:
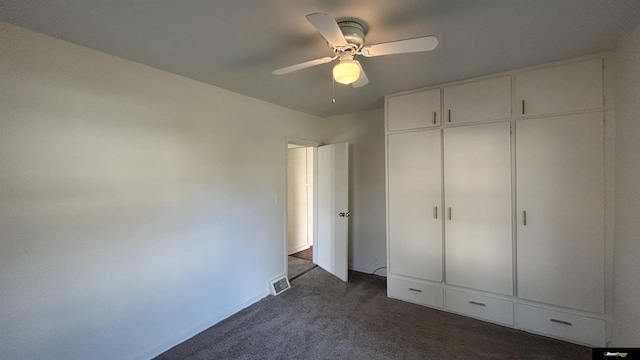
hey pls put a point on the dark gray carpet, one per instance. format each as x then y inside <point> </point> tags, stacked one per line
<point>321,317</point>
<point>298,266</point>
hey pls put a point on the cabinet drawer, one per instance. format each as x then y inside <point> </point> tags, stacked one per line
<point>415,292</point>
<point>576,328</point>
<point>481,307</point>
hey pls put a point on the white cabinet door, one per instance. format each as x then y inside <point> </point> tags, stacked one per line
<point>478,101</point>
<point>560,177</point>
<point>414,204</point>
<point>563,88</point>
<point>412,111</point>
<point>478,233</point>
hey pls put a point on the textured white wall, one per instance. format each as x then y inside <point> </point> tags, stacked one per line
<point>367,225</point>
<point>137,207</point>
<point>626,297</point>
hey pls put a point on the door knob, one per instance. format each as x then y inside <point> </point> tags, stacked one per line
<point>344,214</point>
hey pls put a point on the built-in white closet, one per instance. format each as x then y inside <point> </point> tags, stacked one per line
<point>496,199</point>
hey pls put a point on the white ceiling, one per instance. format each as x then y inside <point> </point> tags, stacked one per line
<point>235,44</point>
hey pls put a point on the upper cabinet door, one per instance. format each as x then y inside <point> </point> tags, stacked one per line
<point>559,89</point>
<point>478,101</point>
<point>413,111</point>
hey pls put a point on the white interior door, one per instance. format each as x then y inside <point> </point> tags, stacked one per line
<point>333,211</point>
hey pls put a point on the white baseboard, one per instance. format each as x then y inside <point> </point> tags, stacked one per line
<point>208,322</point>
<point>298,249</point>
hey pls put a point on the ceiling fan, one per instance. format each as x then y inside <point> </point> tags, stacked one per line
<point>346,40</point>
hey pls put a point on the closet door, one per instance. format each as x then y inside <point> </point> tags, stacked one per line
<point>477,178</point>
<point>560,177</point>
<point>414,204</point>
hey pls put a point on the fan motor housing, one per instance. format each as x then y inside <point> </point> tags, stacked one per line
<point>353,32</point>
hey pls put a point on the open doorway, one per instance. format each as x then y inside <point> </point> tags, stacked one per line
<point>300,209</point>
<point>323,222</point>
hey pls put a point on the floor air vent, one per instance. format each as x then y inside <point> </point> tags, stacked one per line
<point>279,285</point>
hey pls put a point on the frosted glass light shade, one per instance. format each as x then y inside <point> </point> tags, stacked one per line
<point>346,72</point>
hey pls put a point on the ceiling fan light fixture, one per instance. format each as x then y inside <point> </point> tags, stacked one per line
<point>346,72</point>
<point>346,40</point>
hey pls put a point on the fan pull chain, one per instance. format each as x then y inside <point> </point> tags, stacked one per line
<point>333,90</point>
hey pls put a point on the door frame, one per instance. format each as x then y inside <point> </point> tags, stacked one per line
<point>301,143</point>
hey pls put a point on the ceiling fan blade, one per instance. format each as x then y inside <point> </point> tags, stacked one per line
<point>328,28</point>
<point>425,43</point>
<point>304,65</point>
<point>362,80</point>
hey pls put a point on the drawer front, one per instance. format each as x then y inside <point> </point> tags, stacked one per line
<point>576,328</point>
<point>481,307</point>
<point>415,292</point>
